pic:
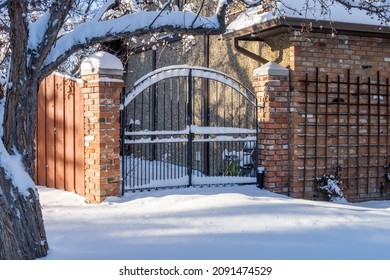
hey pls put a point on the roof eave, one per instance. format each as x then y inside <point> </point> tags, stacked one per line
<point>282,25</point>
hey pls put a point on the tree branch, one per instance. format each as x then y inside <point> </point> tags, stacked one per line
<point>251,3</point>
<point>162,10</point>
<point>18,25</point>
<point>3,3</point>
<point>221,11</point>
<point>104,9</point>
<point>374,7</point>
<point>199,11</point>
<point>138,23</point>
<point>58,12</point>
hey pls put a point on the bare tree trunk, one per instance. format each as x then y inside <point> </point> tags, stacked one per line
<point>19,121</point>
<point>22,233</point>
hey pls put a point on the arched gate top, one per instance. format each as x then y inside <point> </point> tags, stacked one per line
<point>184,71</point>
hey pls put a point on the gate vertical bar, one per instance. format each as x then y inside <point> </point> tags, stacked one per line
<point>123,153</point>
<point>259,173</point>
<point>387,143</point>
<point>349,127</point>
<point>189,123</point>
<point>358,161</point>
<point>206,123</point>
<point>317,112</point>
<point>378,129</point>
<point>206,117</point>
<point>338,121</point>
<point>153,119</point>
<point>369,137</point>
<point>326,122</point>
<point>305,134</point>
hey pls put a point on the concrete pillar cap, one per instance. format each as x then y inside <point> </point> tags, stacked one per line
<point>271,69</point>
<point>101,63</point>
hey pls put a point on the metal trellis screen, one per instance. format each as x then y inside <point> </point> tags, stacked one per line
<point>188,126</point>
<point>345,128</point>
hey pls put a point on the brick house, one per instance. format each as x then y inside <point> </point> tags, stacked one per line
<point>327,114</point>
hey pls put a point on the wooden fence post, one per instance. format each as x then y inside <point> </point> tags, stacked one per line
<point>102,74</point>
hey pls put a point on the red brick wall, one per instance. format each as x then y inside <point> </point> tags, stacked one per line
<point>334,55</point>
<point>303,136</point>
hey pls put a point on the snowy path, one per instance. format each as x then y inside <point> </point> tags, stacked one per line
<point>213,223</point>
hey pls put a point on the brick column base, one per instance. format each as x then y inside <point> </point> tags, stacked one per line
<point>102,98</point>
<point>271,85</point>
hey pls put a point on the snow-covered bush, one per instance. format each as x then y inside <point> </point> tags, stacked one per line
<point>240,163</point>
<point>330,185</point>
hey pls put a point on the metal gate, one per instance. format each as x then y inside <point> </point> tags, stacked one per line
<point>188,126</point>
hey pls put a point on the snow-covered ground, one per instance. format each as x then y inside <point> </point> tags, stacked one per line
<point>225,223</point>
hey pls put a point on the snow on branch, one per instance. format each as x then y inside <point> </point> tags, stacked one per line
<point>44,31</point>
<point>141,22</point>
<point>252,3</point>
<point>374,9</point>
<point>103,9</point>
<point>3,3</point>
<point>380,8</point>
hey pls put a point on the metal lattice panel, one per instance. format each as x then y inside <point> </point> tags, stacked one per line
<point>345,128</point>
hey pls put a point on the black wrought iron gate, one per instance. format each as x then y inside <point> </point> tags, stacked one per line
<point>188,126</point>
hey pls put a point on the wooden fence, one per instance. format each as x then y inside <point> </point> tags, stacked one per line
<point>60,135</point>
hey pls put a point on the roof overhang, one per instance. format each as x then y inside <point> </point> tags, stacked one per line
<point>278,26</point>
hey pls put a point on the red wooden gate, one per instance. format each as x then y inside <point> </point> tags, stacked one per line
<point>60,135</point>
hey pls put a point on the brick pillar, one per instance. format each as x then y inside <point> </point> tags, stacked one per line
<point>271,85</point>
<point>103,84</point>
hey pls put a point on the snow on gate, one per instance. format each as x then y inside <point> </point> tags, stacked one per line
<point>188,126</point>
